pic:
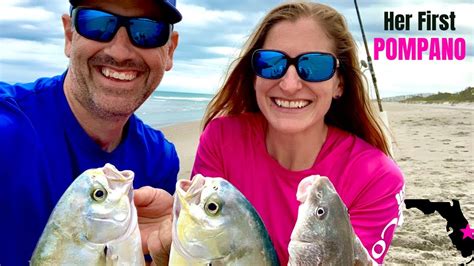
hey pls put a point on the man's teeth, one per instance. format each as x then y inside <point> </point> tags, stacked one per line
<point>291,104</point>
<point>118,75</point>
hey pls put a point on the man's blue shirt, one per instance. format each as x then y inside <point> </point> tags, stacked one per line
<point>43,148</point>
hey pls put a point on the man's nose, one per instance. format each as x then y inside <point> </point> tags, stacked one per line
<point>120,47</point>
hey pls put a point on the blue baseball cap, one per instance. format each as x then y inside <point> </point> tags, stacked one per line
<point>172,15</point>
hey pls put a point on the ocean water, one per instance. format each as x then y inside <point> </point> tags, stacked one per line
<point>165,108</point>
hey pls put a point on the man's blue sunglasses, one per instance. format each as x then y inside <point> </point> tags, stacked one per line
<point>102,26</point>
<point>312,66</point>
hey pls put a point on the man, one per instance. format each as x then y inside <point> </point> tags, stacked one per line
<point>55,128</point>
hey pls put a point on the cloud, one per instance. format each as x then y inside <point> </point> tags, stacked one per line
<point>412,77</point>
<point>400,77</point>
<point>213,31</point>
<point>25,20</point>
<point>26,60</point>
<point>10,13</point>
<point>244,6</point>
<point>207,17</point>
<point>198,75</point>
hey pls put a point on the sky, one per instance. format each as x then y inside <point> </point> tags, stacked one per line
<point>213,31</point>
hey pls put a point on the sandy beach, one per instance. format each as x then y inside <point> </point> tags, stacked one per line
<point>185,137</point>
<point>433,145</point>
<point>434,148</point>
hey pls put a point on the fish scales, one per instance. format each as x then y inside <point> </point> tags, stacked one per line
<point>93,223</point>
<point>323,234</point>
<point>214,224</point>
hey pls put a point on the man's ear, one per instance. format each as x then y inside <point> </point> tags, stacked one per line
<point>173,43</point>
<point>67,25</point>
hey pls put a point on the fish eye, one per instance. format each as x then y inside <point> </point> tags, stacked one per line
<point>212,208</point>
<point>320,212</point>
<point>99,194</point>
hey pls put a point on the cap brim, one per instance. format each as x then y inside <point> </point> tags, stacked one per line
<point>172,15</point>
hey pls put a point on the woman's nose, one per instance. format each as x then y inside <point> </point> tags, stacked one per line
<point>291,81</point>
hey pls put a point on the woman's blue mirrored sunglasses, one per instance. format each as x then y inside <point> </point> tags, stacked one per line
<point>313,66</point>
<point>102,26</point>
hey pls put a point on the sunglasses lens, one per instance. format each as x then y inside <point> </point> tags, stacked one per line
<point>312,67</point>
<point>269,64</point>
<point>149,33</point>
<point>102,26</point>
<point>96,25</point>
<point>316,67</point>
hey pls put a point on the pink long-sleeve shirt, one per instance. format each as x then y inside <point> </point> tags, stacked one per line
<point>370,184</point>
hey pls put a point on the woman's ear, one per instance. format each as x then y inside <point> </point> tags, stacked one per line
<point>339,90</point>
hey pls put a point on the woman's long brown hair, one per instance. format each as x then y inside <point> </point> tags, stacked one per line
<point>353,112</point>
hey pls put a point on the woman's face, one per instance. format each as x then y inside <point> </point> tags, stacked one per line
<point>290,104</point>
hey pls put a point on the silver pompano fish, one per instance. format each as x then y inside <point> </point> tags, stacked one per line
<point>94,223</point>
<point>214,224</point>
<point>323,233</point>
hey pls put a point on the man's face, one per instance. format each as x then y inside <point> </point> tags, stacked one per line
<point>112,79</point>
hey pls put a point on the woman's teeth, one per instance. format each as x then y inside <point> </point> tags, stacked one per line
<point>291,104</point>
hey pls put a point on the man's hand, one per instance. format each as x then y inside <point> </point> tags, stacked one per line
<point>154,208</point>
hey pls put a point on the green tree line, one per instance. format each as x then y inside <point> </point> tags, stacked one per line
<point>467,95</point>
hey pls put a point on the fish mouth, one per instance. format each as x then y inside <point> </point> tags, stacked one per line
<point>314,184</point>
<point>118,179</point>
<point>108,219</point>
<point>122,218</point>
<point>116,229</point>
<point>190,190</point>
<point>323,183</point>
<point>299,240</point>
<point>188,193</point>
<point>204,239</point>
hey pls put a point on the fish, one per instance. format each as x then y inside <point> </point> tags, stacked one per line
<point>94,223</point>
<point>323,234</point>
<point>214,224</point>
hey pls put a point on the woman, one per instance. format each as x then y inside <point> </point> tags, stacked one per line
<point>294,105</point>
